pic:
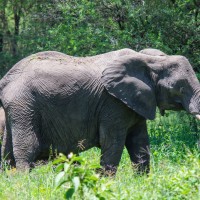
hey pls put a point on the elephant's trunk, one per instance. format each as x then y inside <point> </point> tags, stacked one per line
<point>197,116</point>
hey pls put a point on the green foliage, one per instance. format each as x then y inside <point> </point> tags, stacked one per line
<point>80,178</point>
<point>83,27</point>
<point>172,135</point>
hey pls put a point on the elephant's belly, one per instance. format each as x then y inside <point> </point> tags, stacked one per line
<point>68,133</point>
<point>70,123</point>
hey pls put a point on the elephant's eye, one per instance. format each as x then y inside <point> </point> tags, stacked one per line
<point>182,90</point>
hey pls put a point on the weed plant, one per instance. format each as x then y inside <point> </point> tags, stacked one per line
<point>175,169</point>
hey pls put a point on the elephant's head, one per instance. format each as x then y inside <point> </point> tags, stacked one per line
<point>146,80</point>
<point>153,52</point>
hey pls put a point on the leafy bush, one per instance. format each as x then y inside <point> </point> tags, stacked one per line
<point>80,178</point>
<point>84,27</point>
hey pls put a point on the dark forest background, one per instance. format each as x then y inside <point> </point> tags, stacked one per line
<point>83,27</point>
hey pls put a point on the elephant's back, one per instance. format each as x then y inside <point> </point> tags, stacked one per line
<point>60,79</point>
<point>51,60</point>
<point>59,66</point>
<point>24,67</point>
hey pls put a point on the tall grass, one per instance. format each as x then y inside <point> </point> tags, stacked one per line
<point>175,168</point>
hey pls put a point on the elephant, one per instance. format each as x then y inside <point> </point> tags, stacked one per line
<point>53,100</point>
<point>152,52</point>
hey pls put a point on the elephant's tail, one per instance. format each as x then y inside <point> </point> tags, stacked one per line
<point>0,102</point>
<point>5,81</point>
<point>2,84</point>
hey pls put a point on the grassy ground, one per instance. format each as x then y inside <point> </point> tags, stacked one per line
<point>175,169</point>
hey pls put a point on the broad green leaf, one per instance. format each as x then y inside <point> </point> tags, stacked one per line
<point>57,161</point>
<point>66,167</point>
<point>61,158</point>
<point>79,170</point>
<point>78,159</point>
<point>69,193</point>
<point>94,166</point>
<point>76,182</point>
<point>94,177</point>
<point>59,178</point>
<point>60,167</point>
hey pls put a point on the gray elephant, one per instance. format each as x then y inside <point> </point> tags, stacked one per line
<point>53,100</point>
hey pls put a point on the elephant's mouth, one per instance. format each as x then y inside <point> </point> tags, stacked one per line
<point>178,106</point>
<point>175,106</point>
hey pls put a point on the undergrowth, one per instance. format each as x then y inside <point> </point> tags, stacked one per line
<point>175,170</point>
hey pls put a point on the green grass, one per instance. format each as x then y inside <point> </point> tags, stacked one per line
<point>175,168</point>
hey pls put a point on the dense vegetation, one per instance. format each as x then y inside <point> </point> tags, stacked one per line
<point>83,27</point>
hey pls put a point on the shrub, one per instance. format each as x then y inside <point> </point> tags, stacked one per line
<point>80,179</point>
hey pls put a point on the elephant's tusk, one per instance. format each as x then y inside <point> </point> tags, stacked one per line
<point>198,117</point>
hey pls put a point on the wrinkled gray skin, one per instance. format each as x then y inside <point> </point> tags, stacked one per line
<point>153,52</point>
<point>2,121</point>
<point>58,101</point>
<point>2,124</point>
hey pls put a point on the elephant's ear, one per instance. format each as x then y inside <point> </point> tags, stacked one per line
<point>130,82</point>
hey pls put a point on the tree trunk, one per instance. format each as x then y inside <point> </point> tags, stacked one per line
<point>17,13</point>
<point>196,14</point>
<point>3,22</point>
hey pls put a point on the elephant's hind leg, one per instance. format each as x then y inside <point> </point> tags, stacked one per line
<point>7,148</point>
<point>25,137</point>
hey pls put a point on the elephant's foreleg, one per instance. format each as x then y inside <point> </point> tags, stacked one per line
<point>112,144</point>
<point>137,144</point>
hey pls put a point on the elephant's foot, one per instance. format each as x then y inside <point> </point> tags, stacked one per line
<point>108,170</point>
<point>22,165</point>
<point>141,168</point>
